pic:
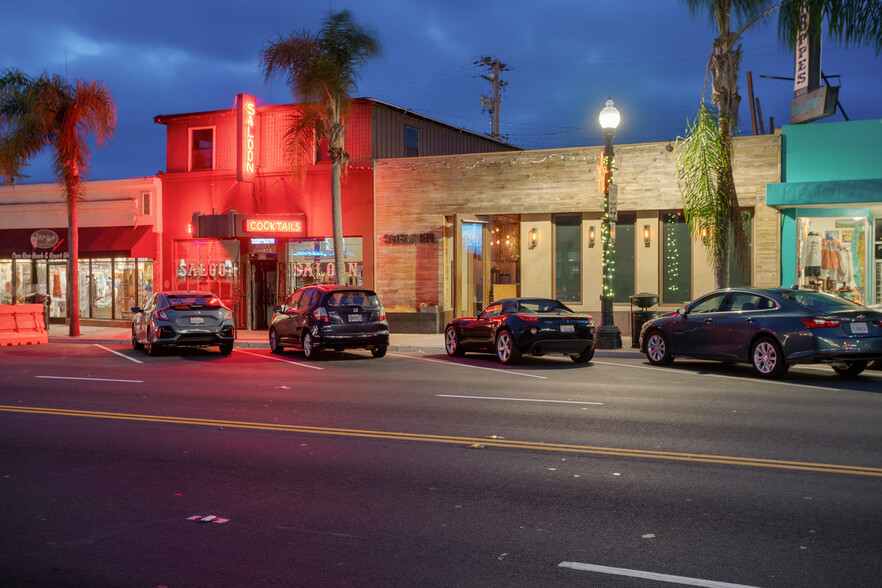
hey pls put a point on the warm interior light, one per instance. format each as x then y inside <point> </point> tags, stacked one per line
<point>534,238</point>
<point>646,235</point>
<point>591,236</point>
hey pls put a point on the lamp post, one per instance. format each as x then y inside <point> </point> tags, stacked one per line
<point>608,334</point>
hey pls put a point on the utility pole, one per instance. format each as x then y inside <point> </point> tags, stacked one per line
<point>492,103</point>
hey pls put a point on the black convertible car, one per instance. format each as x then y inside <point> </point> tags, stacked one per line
<point>770,329</point>
<point>514,327</point>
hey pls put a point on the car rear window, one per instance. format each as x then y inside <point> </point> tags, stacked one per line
<point>353,298</point>
<point>183,302</point>
<point>541,306</point>
<point>821,302</point>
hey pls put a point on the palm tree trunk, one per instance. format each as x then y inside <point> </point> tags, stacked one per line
<point>73,235</point>
<point>337,215</point>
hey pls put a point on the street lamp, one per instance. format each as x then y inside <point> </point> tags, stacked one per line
<point>608,334</point>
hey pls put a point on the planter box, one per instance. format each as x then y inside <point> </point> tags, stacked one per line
<point>429,320</point>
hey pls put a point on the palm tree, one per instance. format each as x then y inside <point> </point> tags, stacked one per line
<point>49,111</point>
<point>321,70</point>
<point>704,157</point>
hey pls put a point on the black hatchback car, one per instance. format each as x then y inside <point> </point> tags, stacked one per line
<point>183,319</point>
<point>514,327</point>
<point>328,316</point>
<point>770,329</point>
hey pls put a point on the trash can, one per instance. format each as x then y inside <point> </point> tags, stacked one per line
<point>643,301</point>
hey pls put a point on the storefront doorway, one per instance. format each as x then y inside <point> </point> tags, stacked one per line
<point>264,292</point>
<point>471,253</point>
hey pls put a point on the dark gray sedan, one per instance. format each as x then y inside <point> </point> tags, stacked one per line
<point>770,329</point>
<point>178,319</point>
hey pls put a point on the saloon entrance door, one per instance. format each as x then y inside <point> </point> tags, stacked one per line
<point>471,253</point>
<point>264,284</point>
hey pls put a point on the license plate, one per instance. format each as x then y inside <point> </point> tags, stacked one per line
<point>859,328</point>
<point>567,329</point>
<point>197,320</point>
<point>356,318</point>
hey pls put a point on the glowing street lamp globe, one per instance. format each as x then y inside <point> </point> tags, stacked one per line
<point>609,117</point>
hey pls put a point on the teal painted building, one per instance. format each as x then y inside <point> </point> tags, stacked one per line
<point>830,201</point>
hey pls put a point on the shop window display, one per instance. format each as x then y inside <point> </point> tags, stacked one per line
<point>5,281</point>
<point>568,258</point>
<point>57,289</point>
<point>124,284</point>
<point>833,255</point>
<point>505,248</point>
<point>311,261</point>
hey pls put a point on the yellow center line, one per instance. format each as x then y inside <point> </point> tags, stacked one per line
<point>506,443</point>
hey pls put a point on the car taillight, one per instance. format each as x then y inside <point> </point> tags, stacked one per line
<point>382,316</point>
<point>321,315</point>
<point>528,318</point>
<point>160,314</point>
<point>879,322</point>
<point>817,323</point>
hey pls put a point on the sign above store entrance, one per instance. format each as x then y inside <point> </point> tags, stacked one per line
<point>287,225</point>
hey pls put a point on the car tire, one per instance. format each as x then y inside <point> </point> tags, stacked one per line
<point>506,349</point>
<point>767,359</point>
<point>309,350</point>
<point>451,343</point>
<point>225,348</point>
<point>136,345</point>
<point>658,352</point>
<point>153,349</point>
<point>583,357</point>
<point>275,346</point>
<point>849,369</point>
<point>379,350</point>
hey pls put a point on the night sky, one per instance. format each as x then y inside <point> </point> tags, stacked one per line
<point>564,59</point>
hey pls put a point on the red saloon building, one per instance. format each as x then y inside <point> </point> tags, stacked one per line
<point>236,221</point>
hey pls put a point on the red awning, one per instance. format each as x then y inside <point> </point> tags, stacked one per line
<point>94,242</point>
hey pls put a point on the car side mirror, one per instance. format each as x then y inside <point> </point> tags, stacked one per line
<point>277,309</point>
<point>136,309</point>
<point>681,311</point>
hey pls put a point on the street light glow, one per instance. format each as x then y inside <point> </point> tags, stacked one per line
<point>609,116</point>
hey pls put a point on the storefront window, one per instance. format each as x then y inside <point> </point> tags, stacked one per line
<point>505,268</point>
<point>676,259</point>
<point>311,261</point>
<point>101,284</point>
<point>210,265</point>
<point>833,253</point>
<point>125,287</point>
<point>6,281</point>
<point>57,289</point>
<point>145,281</point>
<point>568,258</point>
<point>622,258</point>
<point>24,285</point>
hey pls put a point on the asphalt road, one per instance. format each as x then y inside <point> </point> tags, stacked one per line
<point>419,470</point>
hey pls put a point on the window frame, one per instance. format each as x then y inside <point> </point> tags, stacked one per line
<point>191,148</point>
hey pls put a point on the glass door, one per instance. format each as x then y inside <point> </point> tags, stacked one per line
<point>472,267</point>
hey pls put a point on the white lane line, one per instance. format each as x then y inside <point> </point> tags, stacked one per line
<point>650,575</point>
<point>118,353</point>
<point>517,399</point>
<point>89,379</point>
<point>709,375</point>
<point>297,363</point>
<point>477,367</point>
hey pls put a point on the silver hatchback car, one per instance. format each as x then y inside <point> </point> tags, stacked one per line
<point>183,319</point>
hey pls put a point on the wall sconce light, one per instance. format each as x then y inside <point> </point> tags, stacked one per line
<point>591,236</point>
<point>534,238</point>
<point>646,235</point>
<point>704,235</point>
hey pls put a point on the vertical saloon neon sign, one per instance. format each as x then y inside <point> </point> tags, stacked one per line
<point>246,159</point>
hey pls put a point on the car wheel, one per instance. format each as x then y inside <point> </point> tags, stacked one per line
<point>583,357</point>
<point>849,369</point>
<point>451,343</point>
<point>506,350</point>
<point>226,348</point>
<point>275,346</point>
<point>135,343</point>
<point>657,350</point>
<point>309,350</point>
<point>767,359</point>
<point>379,350</point>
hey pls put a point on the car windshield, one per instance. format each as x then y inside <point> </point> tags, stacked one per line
<point>535,306</point>
<point>353,298</point>
<point>182,302</point>
<point>818,301</point>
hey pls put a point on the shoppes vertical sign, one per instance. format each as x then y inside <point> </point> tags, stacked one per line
<point>246,132</point>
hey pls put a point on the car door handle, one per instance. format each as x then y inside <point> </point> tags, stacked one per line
<point>708,320</point>
<point>750,320</point>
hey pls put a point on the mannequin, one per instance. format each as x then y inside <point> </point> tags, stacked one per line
<point>810,257</point>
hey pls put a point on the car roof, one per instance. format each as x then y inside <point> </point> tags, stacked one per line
<point>194,293</point>
<point>339,288</point>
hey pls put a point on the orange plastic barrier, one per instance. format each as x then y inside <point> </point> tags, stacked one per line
<point>22,324</point>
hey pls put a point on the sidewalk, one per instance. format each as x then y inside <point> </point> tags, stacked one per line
<point>432,344</point>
